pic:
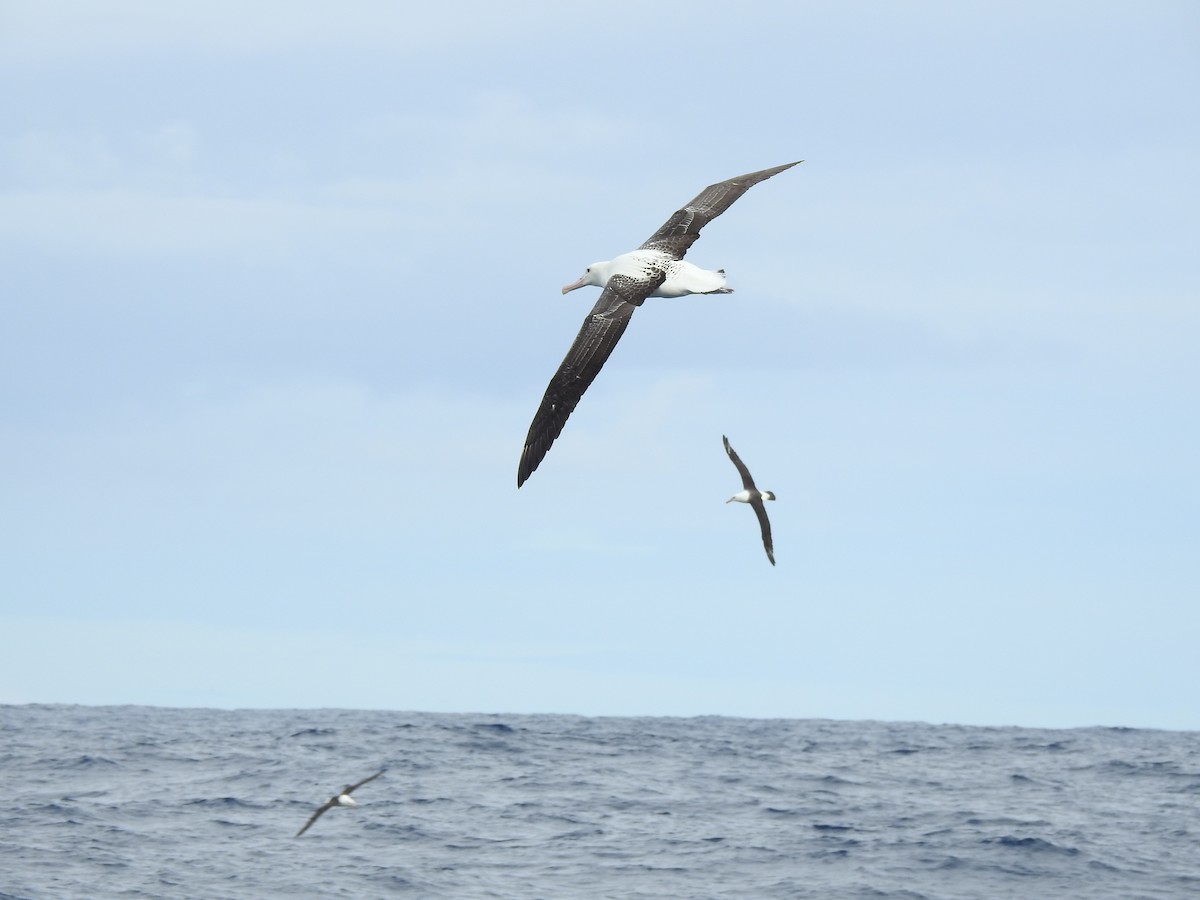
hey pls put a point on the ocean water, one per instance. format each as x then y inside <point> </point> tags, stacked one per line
<point>149,802</point>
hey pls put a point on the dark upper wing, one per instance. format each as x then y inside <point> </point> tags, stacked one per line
<point>320,809</point>
<point>760,510</point>
<point>600,332</point>
<point>359,784</point>
<point>747,481</point>
<point>682,229</point>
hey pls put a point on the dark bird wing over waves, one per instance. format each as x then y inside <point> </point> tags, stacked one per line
<point>351,788</point>
<point>328,804</point>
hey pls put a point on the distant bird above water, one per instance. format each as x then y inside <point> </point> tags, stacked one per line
<point>655,269</point>
<point>340,799</point>
<point>752,495</point>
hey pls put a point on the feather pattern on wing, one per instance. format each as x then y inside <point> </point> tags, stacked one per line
<point>680,231</point>
<point>592,346</point>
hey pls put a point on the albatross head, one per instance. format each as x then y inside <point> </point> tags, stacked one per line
<point>346,800</point>
<point>768,495</point>
<point>596,273</point>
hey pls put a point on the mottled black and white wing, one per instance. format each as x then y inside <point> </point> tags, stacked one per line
<point>681,230</point>
<point>593,345</point>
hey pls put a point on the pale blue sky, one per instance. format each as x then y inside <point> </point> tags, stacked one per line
<point>280,287</point>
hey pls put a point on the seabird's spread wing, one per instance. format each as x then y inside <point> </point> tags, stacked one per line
<point>747,481</point>
<point>681,230</point>
<point>328,804</point>
<point>760,510</point>
<point>353,787</point>
<point>595,342</point>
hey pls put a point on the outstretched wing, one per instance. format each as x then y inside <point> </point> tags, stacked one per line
<point>351,787</point>
<point>320,809</point>
<point>681,230</point>
<point>760,510</point>
<point>593,345</point>
<point>747,481</point>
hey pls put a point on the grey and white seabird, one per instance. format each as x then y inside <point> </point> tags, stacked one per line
<point>752,495</point>
<point>655,269</point>
<point>340,799</point>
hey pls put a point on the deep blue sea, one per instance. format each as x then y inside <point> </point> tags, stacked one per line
<point>198,803</point>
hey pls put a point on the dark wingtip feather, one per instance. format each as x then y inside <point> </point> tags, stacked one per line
<point>525,468</point>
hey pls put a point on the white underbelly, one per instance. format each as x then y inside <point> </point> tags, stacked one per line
<point>684,278</point>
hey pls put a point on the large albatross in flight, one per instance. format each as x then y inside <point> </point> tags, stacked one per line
<point>655,269</point>
<point>752,495</point>
<point>342,798</point>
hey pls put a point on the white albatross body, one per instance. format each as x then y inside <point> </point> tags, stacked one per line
<point>655,269</point>
<point>682,277</point>
<point>750,496</point>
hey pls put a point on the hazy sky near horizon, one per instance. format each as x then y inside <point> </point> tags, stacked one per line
<point>280,294</point>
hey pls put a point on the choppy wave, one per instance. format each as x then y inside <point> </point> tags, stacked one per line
<point>143,802</point>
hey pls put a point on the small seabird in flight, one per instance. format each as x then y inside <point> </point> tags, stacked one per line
<point>341,799</point>
<point>752,495</point>
<point>655,269</point>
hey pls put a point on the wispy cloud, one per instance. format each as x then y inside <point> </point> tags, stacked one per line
<point>501,121</point>
<point>137,222</point>
<point>44,32</point>
<point>150,189</point>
